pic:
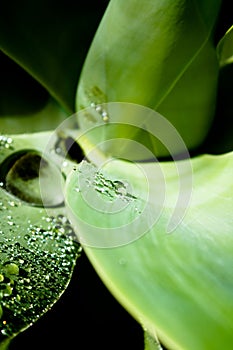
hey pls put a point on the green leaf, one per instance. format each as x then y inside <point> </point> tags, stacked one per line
<point>38,246</point>
<point>19,92</point>
<point>225,48</point>
<point>177,284</point>
<point>159,54</point>
<point>151,343</point>
<point>49,42</point>
<point>220,137</point>
<point>47,118</point>
<point>25,106</point>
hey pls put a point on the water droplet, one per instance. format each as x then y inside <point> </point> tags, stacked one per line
<point>58,150</point>
<point>11,269</point>
<point>6,142</point>
<point>33,179</point>
<point>98,109</point>
<point>67,147</point>
<point>12,203</point>
<point>35,264</point>
<point>95,99</point>
<point>105,116</point>
<point>121,188</point>
<point>122,261</point>
<point>112,190</point>
<point>7,291</point>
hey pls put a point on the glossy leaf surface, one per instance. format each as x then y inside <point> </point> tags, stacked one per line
<point>225,48</point>
<point>159,54</point>
<point>38,247</point>
<point>178,285</point>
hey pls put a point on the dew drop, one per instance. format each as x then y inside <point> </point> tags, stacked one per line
<point>35,264</point>
<point>105,116</point>
<point>98,109</point>
<point>6,142</point>
<point>121,188</point>
<point>11,223</point>
<point>96,99</point>
<point>13,204</point>
<point>11,269</point>
<point>33,179</point>
<point>112,190</point>
<point>7,291</point>
<point>122,261</point>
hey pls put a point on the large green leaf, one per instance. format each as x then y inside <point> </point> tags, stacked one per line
<point>158,54</point>
<point>50,40</point>
<point>38,246</point>
<point>25,106</point>
<point>178,285</point>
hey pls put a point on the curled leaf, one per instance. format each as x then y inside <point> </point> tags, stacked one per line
<point>178,285</point>
<point>158,54</point>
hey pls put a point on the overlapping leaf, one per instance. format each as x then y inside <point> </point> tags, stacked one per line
<point>178,285</point>
<point>38,247</point>
<point>50,41</point>
<point>158,54</point>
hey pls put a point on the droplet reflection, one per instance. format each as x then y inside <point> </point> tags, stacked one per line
<point>33,179</point>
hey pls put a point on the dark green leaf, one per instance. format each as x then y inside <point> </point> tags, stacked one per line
<point>49,40</point>
<point>225,48</point>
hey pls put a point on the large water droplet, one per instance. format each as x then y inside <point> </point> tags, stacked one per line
<point>32,178</point>
<point>68,148</point>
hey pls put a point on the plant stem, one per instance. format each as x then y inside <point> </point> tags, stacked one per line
<point>4,345</point>
<point>150,342</point>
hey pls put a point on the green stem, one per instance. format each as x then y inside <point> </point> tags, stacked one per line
<point>150,342</point>
<point>4,345</point>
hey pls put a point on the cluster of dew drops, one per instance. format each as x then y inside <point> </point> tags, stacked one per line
<point>35,265</point>
<point>6,142</point>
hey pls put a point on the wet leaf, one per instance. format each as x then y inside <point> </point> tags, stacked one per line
<point>158,54</point>
<point>178,283</point>
<point>38,247</point>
